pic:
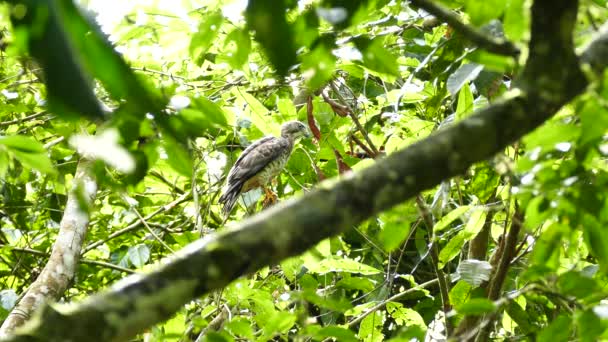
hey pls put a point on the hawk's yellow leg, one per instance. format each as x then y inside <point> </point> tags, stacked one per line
<point>270,198</point>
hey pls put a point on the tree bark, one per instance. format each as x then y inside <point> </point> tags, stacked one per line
<point>61,266</point>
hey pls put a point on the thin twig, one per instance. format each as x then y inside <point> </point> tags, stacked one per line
<point>82,261</point>
<point>151,231</point>
<point>355,119</point>
<point>135,225</point>
<point>434,250</point>
<point>162,178</point>
<point>362,145</point>
<point>27,118</point>
<point>491,44</point>
<point>54,142</point>
<point>500,275</point>
<point>382,304</point>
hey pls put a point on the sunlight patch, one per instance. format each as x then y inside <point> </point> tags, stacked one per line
<point>104,147</point>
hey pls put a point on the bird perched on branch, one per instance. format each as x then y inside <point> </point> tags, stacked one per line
<point>260,163</point>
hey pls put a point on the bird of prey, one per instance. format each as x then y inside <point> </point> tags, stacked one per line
<point>260,163</point>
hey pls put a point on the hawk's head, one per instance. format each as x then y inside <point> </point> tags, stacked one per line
<point>293,130</point>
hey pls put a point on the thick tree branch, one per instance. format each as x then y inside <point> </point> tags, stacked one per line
<point>61,266</point>
<point>488,43</point>
<point>295,225</point>
<point>544,78</point>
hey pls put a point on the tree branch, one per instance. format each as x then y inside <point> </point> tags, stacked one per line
<point>296,225</point>
<point>444,287</point>
<point>82,261</point>
<point>21,120</point>
<point>491,44</point>
<point>61,266</point>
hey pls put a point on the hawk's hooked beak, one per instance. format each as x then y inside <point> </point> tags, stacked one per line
<point>307,133</point>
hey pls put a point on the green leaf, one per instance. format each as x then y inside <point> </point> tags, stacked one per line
<point>38,161</point>
<point>279,322</point>
<point>337,303</point>
<point>103,62</point>
<point>463,75</point>
<point>258,113</point>
<point>356,283</point>
<point>376,57</point>
<point>338,264</point>
<point>577,285</point>
<point>393,233</point>
<point>594,121</point>
<point>471,229</point>
<point>240,327</point>
<point>476,307</point>
<point>516,19</point>
<point>178,157</point>
<point>550,134</point>
<point>4,160</point>
<point>465,102</point>
<point>22,144</point>
<point>238,45</point>
<point>339,333</point>
<point>481,12</point>
<point>460,293</point>
<point>267,18</point>
<point>139,255</point>
<point>520,316</point>
<point>557,331</point>
<point>596,239</point>
<point>492,62</point>
<point>318,66</point>
<point>452,216</point>
<point>589,326</point>
<point>475,223</point>
<point>201,117</point>
<point>404,316</point>
<point>28,151</point>
<point>370,329</point>
<point>69,88</point>
<point>204,38</point>
<point>484,182</point>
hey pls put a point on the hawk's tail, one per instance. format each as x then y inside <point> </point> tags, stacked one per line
<point>229,198</point>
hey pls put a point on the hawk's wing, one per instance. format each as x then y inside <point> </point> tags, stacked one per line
<point>253,159</point>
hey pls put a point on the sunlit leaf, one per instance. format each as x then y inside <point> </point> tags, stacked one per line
<point>476,307</point>
<point>28,151</point>
<point>337,264</point>
<point>339,333</point>
<point>376,57</point>
<point>139,255</point>
<point>204,38</point>
<point>557,331</point>
<point>454,246</point>
<point>481,12</point>
<point>464,74</point>
<point>178,157</point>
<point>450,217</point>
<point>465,102</point>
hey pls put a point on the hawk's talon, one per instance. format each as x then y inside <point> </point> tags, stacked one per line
<point>270,198</point>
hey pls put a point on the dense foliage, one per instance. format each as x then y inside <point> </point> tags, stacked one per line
<point>165,95</point>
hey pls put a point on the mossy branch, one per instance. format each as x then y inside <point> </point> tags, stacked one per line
<point>296,225</point>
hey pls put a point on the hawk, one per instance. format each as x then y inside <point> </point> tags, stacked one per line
<point>260,163</point>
